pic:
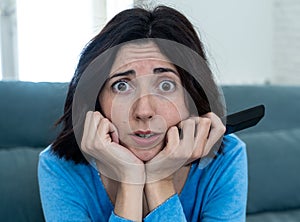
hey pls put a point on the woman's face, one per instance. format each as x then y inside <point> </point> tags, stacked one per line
<point>143,98</point>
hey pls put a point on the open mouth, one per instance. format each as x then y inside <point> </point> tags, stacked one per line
<point>148,135</point>
<point>146,138</point>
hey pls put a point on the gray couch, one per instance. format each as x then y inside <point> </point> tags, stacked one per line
<point>28,111</point>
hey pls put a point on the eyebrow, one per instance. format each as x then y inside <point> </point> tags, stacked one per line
<point>129,72</point>
<point>162,70</point>
<point>132,72</point>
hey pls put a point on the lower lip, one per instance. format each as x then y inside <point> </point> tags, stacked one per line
<point>146,142</point>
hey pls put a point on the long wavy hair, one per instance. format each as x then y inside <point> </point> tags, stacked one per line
<point>162,22</point>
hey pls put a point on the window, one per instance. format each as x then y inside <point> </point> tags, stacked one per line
<point>51,34</point>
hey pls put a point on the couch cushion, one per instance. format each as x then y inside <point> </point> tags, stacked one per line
<point>29,111</point>
<point>282,216</point>
<point>273,162</point>
<point>20,199</point>
<point>282,104</point>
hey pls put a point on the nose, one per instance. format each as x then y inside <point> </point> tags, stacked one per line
<point>144,108</point>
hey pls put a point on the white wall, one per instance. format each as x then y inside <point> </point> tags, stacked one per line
<point>286,44</point>
<point>237,35</point>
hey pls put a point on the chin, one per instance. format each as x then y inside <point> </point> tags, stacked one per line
<point>145,155</point>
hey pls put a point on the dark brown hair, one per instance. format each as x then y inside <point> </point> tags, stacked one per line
<point>159,23</point>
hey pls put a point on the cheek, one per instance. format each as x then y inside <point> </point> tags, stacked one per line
<point>119,113</point>
<point>111,106</point>
<point>173,112</point>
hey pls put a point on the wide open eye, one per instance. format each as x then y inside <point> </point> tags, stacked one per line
<point>167,86</point>
<point>121,86</point>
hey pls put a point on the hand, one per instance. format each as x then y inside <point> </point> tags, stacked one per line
<point>174,155</point>
<point>160,170</point>
<point>199,135</point>
<point>100,141</point>
<point>209,130</point>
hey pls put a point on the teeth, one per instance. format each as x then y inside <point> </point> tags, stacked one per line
<point>145,135</point>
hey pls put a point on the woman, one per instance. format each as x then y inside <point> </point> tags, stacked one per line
<point>152,148</point>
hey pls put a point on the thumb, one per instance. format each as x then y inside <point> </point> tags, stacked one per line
<point>172,138</point>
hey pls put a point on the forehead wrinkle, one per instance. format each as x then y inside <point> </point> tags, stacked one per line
<point>131,65</point>
<point>135,52</point>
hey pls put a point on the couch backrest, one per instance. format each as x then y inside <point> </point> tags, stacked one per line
<point>29,111</point>
<point>27,114</point>
<point>282,104</point>
<point>273,146</point>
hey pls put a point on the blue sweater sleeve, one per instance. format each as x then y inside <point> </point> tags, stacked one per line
<point>170,210</point>
<point>64,190</point>
<point>227,196</point>
<point>116,218</point>
<point>59,196</point>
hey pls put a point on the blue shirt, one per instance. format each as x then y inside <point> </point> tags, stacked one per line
<point>215,190</point>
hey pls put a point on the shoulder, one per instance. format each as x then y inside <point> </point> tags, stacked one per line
<point>233,150</point>
<point>233,154</point>
<point>69,187</point>
<point>218,184</point>
<point>50,159</point>
<point>229,167</point>
<point>232,143</point>
<point>224,181</point>
<point>61,176</point>
<point>51,165</point>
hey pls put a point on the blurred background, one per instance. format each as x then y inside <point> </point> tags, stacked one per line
<point>247,41</point>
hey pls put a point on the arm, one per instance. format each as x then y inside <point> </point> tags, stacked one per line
<point>227,196</point>
<point>61,201</point>
<point>129,201</point>
<point>163,202</point>
<point>158,192</point>
<point>100,140</point>
<point>199,134</point>
<point>63,192</point>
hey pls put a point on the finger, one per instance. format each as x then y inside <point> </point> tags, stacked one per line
<point>87,124</point>
<point>188,129</point>
<point>188,132</point>
<point>216,132</point>
<point>203,126</point>
<point>95,121</point>
<point>172,138</point>
<point>107,131</point>
<point>103,130</point>
<point>91,131</point>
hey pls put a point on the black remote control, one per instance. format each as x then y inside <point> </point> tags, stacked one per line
<point>244,119</point>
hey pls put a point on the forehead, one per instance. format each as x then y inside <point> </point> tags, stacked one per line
<point>141,52</point>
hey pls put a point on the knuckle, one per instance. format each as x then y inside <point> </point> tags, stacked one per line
<point>172,130</point>
<point>222,129</point>
<point>87,147</point>
<point>209,114</point>
<point>205,121</point>
<point>89,113</point>
<point>104,121</point>
<point>96,115</point>
<point>198,153</point>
